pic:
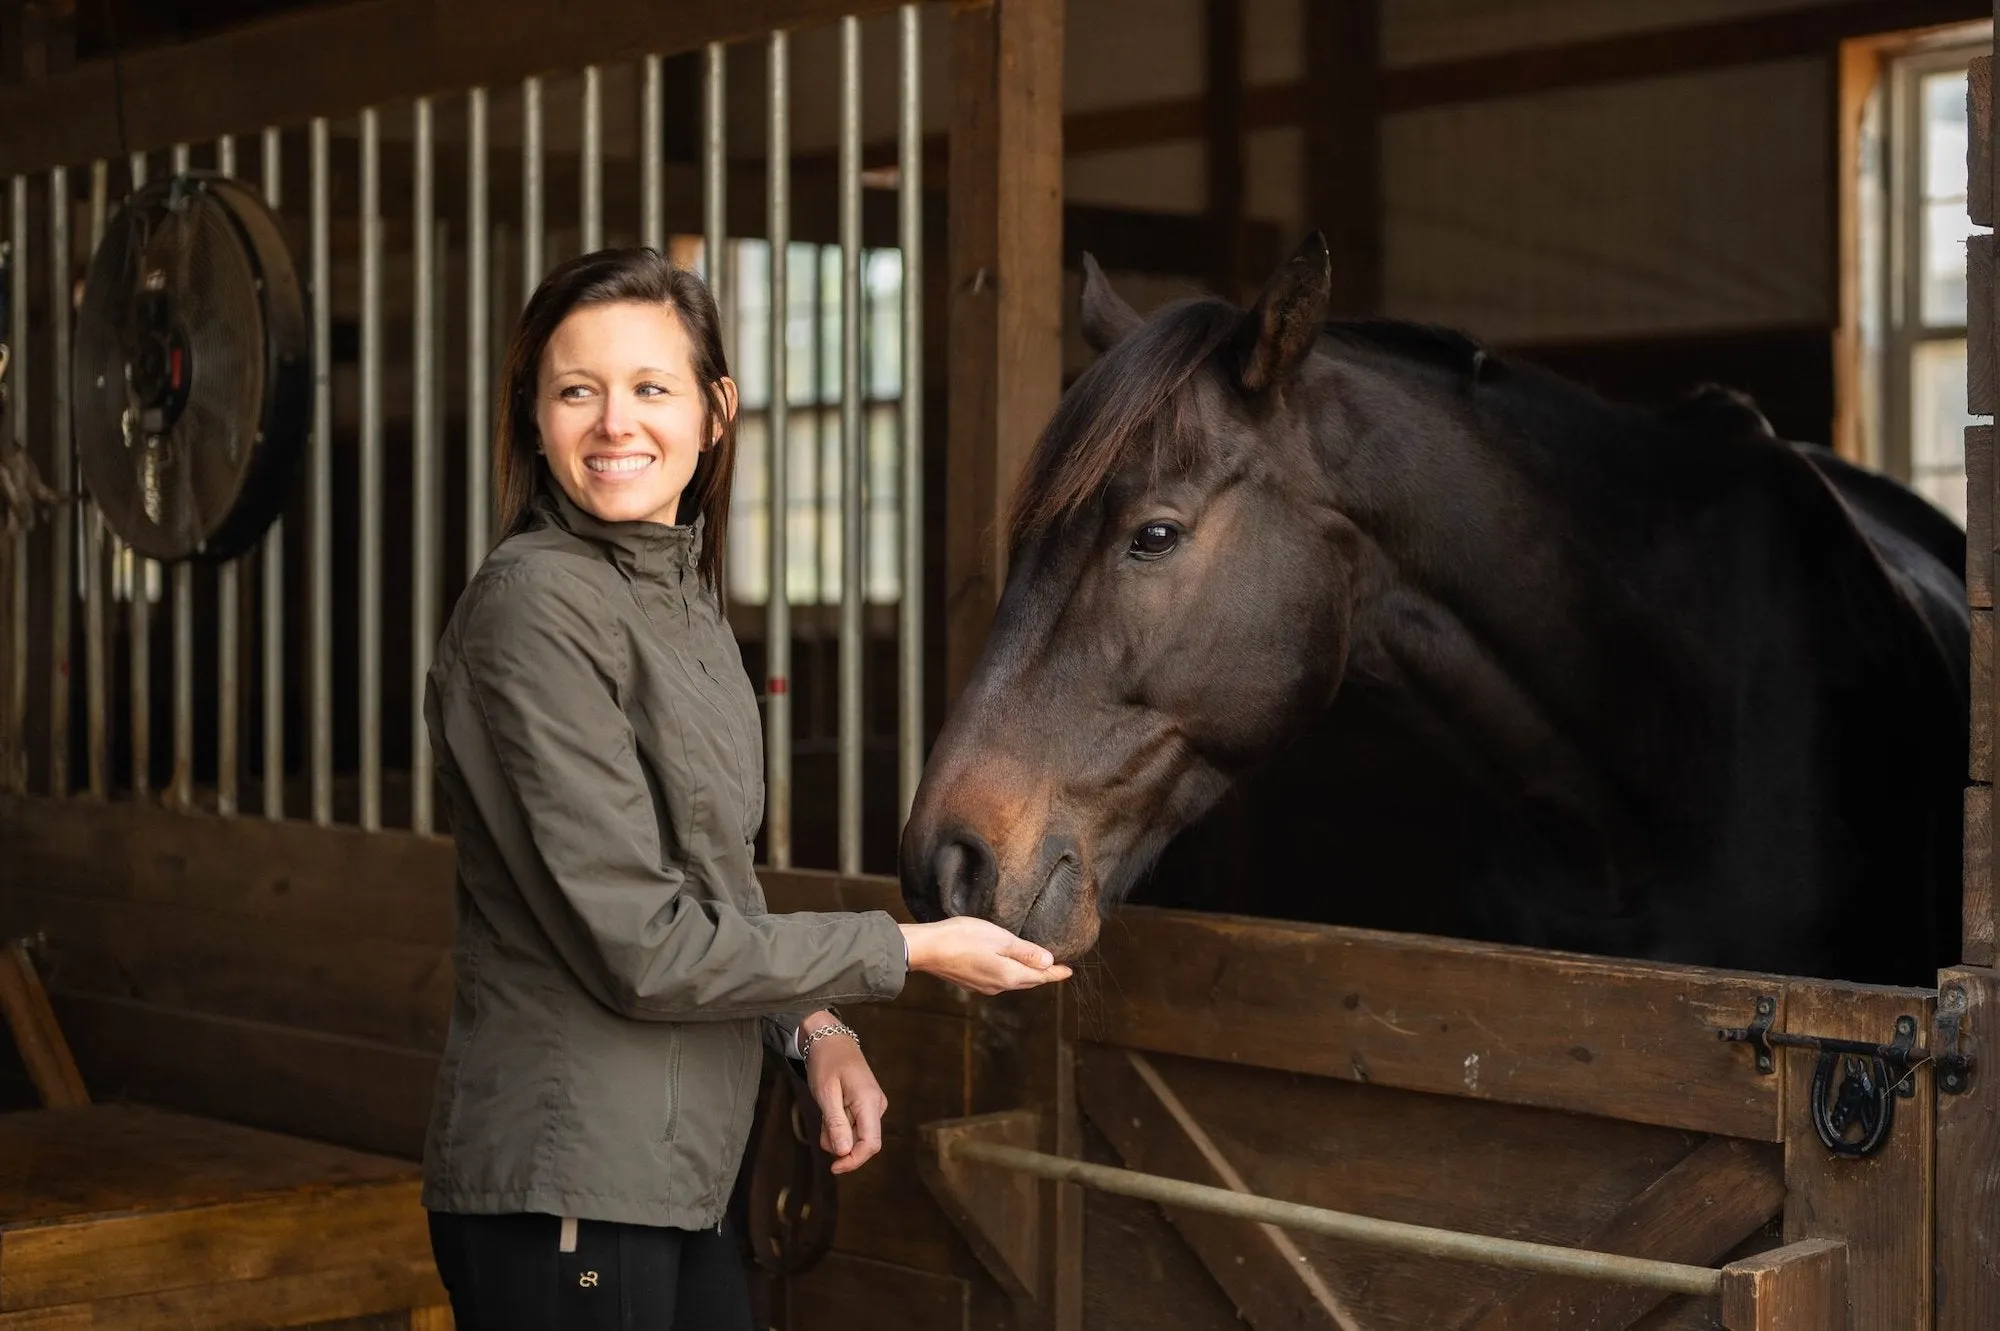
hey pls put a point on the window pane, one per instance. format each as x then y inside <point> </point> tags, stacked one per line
<point>1944,135</point>
<point>802,277</point>
<point>802,536</point>
<point>753,316</point>
<point>1937,424</point>
<point>884,553</point>
<point>882,280</point>
<point>1945,228</point>
<point>749,515</point>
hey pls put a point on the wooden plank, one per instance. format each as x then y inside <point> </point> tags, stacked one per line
<point>1979,151</point>
<point>1979,546</point>
<point>1340,111</point>
<point>113,1158</point>
<point>1424,1159</point>
<point>1979,755</point>
<point>1260,1267</point>
<point>886,1212</point>
<point>44,1051</point>
<point>998,1212</point>
<point>1625,1040</point>
<point>96,1258</point>
<point>228,965</point>
<point>846,1293</point>
<point>921,1059</point>
<point>341,1295</point>
<point>1979,351</point>
<point>339,880</point>
<point>1788,34</point>
<point>1222,144</point>
<point>1968,1159</point>
<point>1139,1273</point>
<point>1697,1213</point>
<point>1800,1287</point>
<point>333,60</point>
<point>1980,928</point>
<point>1880,1206</point>
<point>351,1092</point>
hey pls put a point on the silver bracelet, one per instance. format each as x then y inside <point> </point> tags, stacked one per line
<point>807,1041</point>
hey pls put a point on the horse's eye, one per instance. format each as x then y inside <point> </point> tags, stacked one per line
<point>1155,539</point>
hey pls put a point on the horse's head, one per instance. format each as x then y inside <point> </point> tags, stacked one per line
<point>1177,604</point>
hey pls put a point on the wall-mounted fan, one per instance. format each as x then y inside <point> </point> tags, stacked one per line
<point>190,376</point>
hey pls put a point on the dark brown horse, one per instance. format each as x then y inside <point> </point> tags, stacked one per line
<point>1425,640</point>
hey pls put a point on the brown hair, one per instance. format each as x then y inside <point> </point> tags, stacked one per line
<point>607,277</point>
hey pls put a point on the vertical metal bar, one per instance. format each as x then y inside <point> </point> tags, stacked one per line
<point>777,602</point>
<point>478,454</point>
<point>910,523</point>
<point>227,591</point>
<point>95,673</point>
<point>371,470</point>
<point>652,146</point>
<point>592,209</point>
<point>17,392</point>
<point>714,181</point>
<point>183,779</point>
<point>272,575</point>
<point>62,476</point>
<point>853,447</point>
<point>424,485</point>
<point>531,187</point>
<point>319,559</point>
<point>140,630</point>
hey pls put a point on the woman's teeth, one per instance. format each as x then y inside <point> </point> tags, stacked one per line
<point>617,464</point>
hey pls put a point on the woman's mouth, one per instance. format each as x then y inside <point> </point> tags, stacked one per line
<point>619,466</point>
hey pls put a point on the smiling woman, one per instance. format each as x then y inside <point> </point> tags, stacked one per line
<point>597,744</point>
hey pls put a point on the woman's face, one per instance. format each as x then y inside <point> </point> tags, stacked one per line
<point>621,413</point>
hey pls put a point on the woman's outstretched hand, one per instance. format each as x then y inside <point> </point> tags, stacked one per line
<point>979,955</point>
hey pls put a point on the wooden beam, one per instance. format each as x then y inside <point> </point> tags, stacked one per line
<point>1340,109</point>
<point>332,61</point>
<point>39,1038</point>
<point>1472,1020</point>
<point>1967,1211</point>
<point>998,1211</point>
<point>1697,1213</point>
<point>1800,1287</point>
<point>1879,1206</point>
<point>1222,144</point>
<point>1624,58</point>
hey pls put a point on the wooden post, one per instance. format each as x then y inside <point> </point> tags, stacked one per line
<point>1968,1145</point>
<point>1222,145</point>
<point>1340,108</point>
<point>43,1050</point>
<point>1005,243</point>
<point>1799,1287</point>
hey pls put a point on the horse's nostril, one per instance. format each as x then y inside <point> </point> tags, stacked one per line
<point>964,871</point>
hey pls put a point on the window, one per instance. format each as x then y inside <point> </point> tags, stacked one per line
<point>813,504</point>
<point>1912,229</point>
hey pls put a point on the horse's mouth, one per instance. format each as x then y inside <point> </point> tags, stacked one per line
<point>1051,917</point>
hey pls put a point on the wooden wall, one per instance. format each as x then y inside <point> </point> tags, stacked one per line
<point>298,978</point>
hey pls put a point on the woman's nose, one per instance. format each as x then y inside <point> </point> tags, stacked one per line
<point>616,422</point>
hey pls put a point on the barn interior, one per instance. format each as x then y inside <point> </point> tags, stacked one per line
<point>219,845</point>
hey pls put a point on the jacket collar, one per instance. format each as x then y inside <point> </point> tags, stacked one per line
<point>650,550</point>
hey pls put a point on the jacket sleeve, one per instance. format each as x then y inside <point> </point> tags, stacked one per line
<point>574,820</point>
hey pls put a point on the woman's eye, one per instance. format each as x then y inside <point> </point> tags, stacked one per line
<point>574,393</point>
<point>1154,539</point>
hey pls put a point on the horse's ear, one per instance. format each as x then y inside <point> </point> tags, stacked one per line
<point>1106,316</point>
<point>1280,330</point>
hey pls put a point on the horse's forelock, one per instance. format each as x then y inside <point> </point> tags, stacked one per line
<point>1128,407</point>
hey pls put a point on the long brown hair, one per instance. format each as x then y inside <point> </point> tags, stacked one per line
<point>642,276</point>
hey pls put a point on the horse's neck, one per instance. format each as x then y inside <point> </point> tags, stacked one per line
<point>1486,615</point>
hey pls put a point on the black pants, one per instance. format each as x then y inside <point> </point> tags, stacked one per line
<point>505,1273</point>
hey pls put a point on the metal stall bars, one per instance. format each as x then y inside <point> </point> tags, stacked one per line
<point>777,599</point>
